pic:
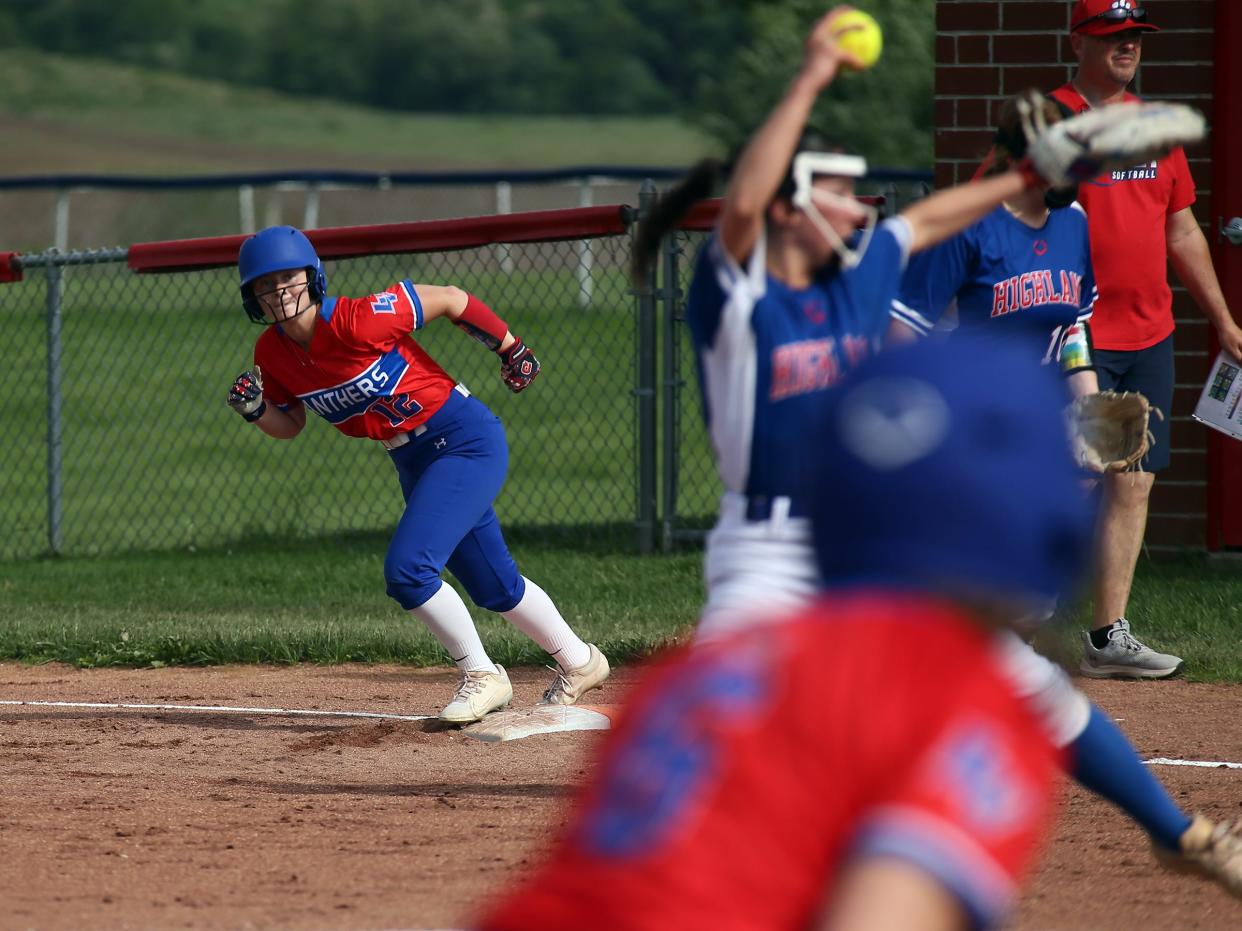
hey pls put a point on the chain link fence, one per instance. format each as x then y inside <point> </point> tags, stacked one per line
<point>80,211</point>
<point>76,212</point>
<point>117,435</point>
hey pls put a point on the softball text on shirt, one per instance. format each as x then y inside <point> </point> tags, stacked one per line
<point>1128,209</point>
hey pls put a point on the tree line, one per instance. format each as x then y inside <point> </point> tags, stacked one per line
<point>717,63</point>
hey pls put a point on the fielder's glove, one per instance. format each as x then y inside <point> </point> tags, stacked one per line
<point>518,366</point>
<point>1116,136</point>
<point>1108,431</point>
<point>246,395</point>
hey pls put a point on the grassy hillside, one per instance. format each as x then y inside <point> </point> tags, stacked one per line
<point>61,114</point>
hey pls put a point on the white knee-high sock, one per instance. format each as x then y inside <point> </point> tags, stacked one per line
<point>447,618</point>
<point>536,616</point>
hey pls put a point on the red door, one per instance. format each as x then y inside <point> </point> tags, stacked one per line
<point>1225,454</point>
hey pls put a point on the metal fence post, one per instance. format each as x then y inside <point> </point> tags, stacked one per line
<point>504,205</point>
<point>645,390</point>
<point>271,210</point>
<point>670,297</point>
<point>61,234</point>
<point>55,286</point>
<point>310,216</point>
<point>245,207</point>
<point>586,258</point>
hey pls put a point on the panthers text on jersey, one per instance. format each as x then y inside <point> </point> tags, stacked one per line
<point>363,373</point>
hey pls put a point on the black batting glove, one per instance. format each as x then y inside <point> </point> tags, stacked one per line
<point>518,366</point>
<point>246,395</point>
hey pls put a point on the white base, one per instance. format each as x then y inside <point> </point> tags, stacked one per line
<point>541,719</point>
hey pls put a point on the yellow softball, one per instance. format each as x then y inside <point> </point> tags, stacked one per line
<point>859,34</point>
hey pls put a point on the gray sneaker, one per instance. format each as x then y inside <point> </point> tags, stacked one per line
<point>1125,657</point>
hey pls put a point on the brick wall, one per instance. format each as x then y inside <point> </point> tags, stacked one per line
<point>986,51</point>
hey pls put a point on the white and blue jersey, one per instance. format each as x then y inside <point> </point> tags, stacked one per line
<point>765,351</point>
<point>1004,275</point>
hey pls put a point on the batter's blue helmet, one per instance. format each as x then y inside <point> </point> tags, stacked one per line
<point>276,249</point>
<point>946,466</point>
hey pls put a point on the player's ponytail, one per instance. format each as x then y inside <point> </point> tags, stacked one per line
<point>671,206</point>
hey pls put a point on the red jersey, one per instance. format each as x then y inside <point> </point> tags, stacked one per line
<point>364,374</point>
<point>743,774</point>
<point>1127,209</point>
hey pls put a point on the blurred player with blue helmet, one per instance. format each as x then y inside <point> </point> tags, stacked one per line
<point>912,791</point>
<point>1022,275</point>
<point>781,305</point>
<point>354,362</point>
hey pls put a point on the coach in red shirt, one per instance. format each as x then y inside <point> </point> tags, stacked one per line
<point>1140,218</point>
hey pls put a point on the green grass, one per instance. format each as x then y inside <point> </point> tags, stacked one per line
<point>322,600</point>
<point>1190,606</point>
<point>317,601</point>
<point>153,458</point>
<point>83,114</point>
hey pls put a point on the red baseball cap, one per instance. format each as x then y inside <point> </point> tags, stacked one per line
<point>1104,17</point>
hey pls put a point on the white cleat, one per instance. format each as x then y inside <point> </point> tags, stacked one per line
<point>568,687</point>
<point>1212,851</point>
<point>478,693</point>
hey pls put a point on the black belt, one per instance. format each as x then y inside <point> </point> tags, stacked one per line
<point>759,507</point>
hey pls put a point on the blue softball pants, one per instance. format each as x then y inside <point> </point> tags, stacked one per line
<point>450,475</point>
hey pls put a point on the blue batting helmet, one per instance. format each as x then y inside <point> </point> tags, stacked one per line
<point>946,465</point>
<point>276,249</point>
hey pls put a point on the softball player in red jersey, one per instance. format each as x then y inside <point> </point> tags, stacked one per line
<point>354,362</point>
<point>863,762</point>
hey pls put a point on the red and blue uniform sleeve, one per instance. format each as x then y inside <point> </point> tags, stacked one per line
<point>380,319</point>
<point>932,280</point>
<point>973,810</point>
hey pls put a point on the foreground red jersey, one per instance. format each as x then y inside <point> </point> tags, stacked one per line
<point>1127,209</point>
<point>364,373</point>
<point>742,774</point>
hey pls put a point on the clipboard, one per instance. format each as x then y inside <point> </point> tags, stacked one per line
<point>1220,404</point>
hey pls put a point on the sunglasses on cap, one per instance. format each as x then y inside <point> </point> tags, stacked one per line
<point>1116,15</point>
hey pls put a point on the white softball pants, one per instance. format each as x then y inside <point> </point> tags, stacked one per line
<point>757,571</point>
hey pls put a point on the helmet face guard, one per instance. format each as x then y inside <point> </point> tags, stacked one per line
<point>276,249</point>
<point>806,167</point>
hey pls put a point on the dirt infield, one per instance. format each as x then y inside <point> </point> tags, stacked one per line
<point>170,819</point>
